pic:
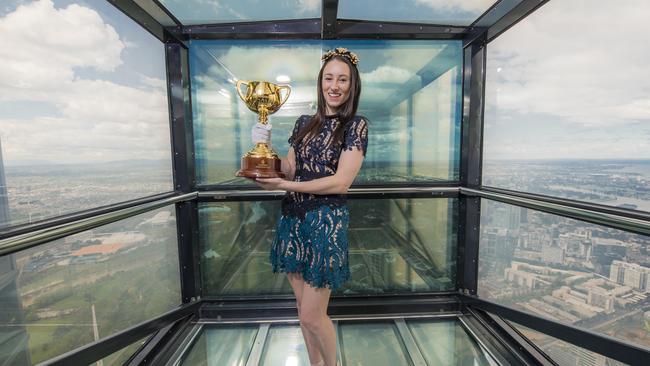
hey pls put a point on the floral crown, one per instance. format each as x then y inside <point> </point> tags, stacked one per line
<point>343,52</point>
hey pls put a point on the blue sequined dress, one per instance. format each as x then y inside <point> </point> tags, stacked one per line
<point>312,233</point>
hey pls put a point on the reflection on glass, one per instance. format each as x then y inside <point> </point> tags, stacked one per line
<point>120,357</point>
<point>285,346</point>
<point>566,270</point>
<point>207,12</point>
<point>446,343</point>
<point>563,116</point>
<point>222,345</point>
<point>413,104</point>
<point>83,115</point>
<point>563,353</point>
<point>70,292</point>
<point>397,245</point>
<point>451,12</point>
<point>362,343</point>
<point>372,344</point>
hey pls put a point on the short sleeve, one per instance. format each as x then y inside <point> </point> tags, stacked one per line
<point>300,123</point>
<point>356,135</point>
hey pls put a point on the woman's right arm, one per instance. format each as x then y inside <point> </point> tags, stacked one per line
<point>289,164</point>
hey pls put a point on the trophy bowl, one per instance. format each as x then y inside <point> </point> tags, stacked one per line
<point>263,98</point>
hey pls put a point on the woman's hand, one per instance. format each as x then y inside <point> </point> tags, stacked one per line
<point>261,133</point>
<point>271,184</point>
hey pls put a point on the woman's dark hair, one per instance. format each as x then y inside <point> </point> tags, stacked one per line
<point>346,111</point>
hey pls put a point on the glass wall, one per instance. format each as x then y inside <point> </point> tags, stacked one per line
<point>570,271</point>
<point>208,12</point>
<point>450,12</point>
<point>70,292</point>
<point>83,111</point>
<point>395,246</point>
<point>120,358</point>
<point>563,353</point>
<point>568,116</point>
<point>412,103</point>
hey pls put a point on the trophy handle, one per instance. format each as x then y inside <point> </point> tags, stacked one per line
<point>239,82</point>
<point>286,96</point>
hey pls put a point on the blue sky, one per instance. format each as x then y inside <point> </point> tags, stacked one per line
<point>79,82</point>
<point>571,81</point>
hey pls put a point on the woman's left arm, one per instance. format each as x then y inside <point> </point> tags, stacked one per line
<point>349,165</point>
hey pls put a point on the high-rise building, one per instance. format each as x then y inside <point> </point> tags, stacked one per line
<point>4,198</point>
<point>12,310</point>
<point>630,274</point>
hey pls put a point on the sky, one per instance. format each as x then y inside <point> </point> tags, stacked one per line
<point>79,82</point>
<point>571,81</point>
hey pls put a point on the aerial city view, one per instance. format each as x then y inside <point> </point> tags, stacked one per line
<point>563,269</point>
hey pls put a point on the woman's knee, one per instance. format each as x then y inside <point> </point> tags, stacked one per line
<point>311,319</point>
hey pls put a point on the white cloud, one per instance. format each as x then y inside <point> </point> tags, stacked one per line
<point>387,74</point>
<point>581,61</point>
<point>95,119</point>
<point>465,5</point>
<point>306,6</point>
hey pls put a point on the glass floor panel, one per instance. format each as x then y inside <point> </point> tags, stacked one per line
<point>223,345</point>
<point>361,343</point>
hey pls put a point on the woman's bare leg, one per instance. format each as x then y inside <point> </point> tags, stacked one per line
<point>297,284</point>
<point>313,318</point>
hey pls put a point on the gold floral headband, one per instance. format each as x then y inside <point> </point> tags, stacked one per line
<point>343,52</point>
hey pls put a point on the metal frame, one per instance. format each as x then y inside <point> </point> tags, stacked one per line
<point>13,231</point>
<point>354,193</point>
<point>598,343</point>
<point>97,350</point>
<point>328,18</point>
<point>587,212</point>
<point>512,17</point>
<point>470,164</point>
<point>182,133</point>
<point>20,242</point>
<point>151,15</point>
<point>518,347</point>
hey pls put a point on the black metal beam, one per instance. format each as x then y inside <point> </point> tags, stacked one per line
<point>184,168</point>
<point>188,250</point>
<point>517,345</point>
<point>299,28</point>
<point>282,307</point>
<point>97,350</point>
<point>318,29</point>
<point>146,20</point>
<point>470,165</point>
<point>328,18</point>
<point>512,17</point>
<point>599,343</point>
<point>354,193</point>
<point>347,28</point>
<point>159,12</point>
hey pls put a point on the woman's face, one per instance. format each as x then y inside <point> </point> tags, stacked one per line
<point>336,85</point>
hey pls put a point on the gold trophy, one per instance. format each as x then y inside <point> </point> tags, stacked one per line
<point>263,98</point>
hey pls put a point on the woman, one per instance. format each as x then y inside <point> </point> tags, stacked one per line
<point>325,154</point>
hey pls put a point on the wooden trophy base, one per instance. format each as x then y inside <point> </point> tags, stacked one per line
<point>260,167</point>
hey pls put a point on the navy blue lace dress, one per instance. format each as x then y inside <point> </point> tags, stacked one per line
<point>311,235</point>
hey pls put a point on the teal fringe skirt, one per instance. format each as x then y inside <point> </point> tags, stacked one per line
<point>316,246</point>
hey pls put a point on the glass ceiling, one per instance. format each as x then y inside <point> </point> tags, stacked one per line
<point>448,12</point>
<point>445,12</point>
<point>191,12</point>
